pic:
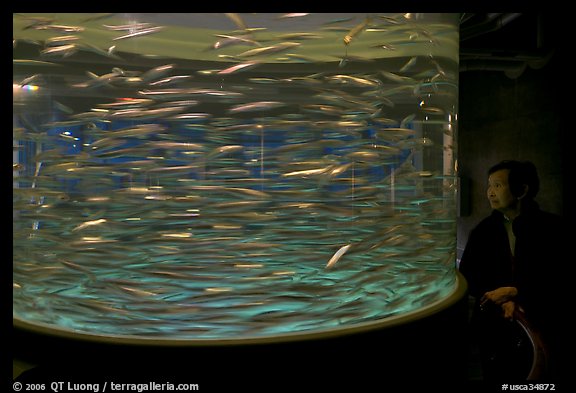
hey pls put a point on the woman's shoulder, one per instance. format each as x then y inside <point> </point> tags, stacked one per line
<point>543,217</point>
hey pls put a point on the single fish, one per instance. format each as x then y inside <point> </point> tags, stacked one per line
<point>269,49</point>
<point>97,81</point>
<point>237,20</point>
<point>409,65</point>
<point>256,106</point>
<point>337,255</point>
<point>349,79</point>
<point>109,52</point>
<point>293,15</point>
<point>397,78</point>
<point>27,62</point>
<point>170,80</point>
<point>60,50</point>
<point>298,36</point>
<point>239,67</point>
<point>89,224</point>
<point>156,73</point>
<point>308,172</point>
<point>61,40</point>
<point>139,33</point>
<point>228,40</point>
<point>63,28</point>
<point>29,80</point>
<point>356,31</point>
<point>129,27</point>
<point>224,150</point>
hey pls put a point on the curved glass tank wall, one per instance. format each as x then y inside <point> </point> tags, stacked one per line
<point>218,176</point>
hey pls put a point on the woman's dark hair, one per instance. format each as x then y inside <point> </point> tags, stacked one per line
<point>520,173</point>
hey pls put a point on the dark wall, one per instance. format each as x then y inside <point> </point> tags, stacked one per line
<point>524,118</point>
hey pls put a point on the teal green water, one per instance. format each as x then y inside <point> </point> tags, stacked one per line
<point>255,189</point>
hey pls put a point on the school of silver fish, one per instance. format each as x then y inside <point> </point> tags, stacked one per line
<point>180,206</point>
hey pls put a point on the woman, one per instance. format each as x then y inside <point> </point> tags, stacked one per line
<point>510,263</point>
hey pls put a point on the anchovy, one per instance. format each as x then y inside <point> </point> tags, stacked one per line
<point>156,72</point>
<point>364,82</point>
<point>293,15</point>
<point>60,50</point>
<point>139,33</point>
<point>337,255</point>
<point>308,172</point>
<point>256,106</point>
<point>109,52</point>
<point>129,27</point>
<point>224,150</point>
<point>189,116</point>
<point>127,103</point>
<point>63,28</point>
<point>300,58</point>
<point>97,81</point>
<point>29,80</point>
<point>89,224</point>
<point>60,40</point>
<point>269,49</point>
<point>409,64</point>
<point>27,62</point>
<point>356,30</point>
<point>239,67</point>
<point>237,20</point>
<point>228,40</point>
<point>298,36</point>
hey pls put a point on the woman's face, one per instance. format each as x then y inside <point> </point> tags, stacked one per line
<point>499,194</point>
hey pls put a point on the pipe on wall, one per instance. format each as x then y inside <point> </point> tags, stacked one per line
<point>492,22</point>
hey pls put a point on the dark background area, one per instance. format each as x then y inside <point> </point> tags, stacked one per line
<point>515,92</point>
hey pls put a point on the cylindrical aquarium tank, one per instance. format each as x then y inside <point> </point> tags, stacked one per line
<point>238,180</point>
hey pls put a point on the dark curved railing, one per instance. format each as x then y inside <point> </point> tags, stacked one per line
<point>540,358</point>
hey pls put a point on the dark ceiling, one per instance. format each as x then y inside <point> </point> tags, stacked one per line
<point>507,42</point>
